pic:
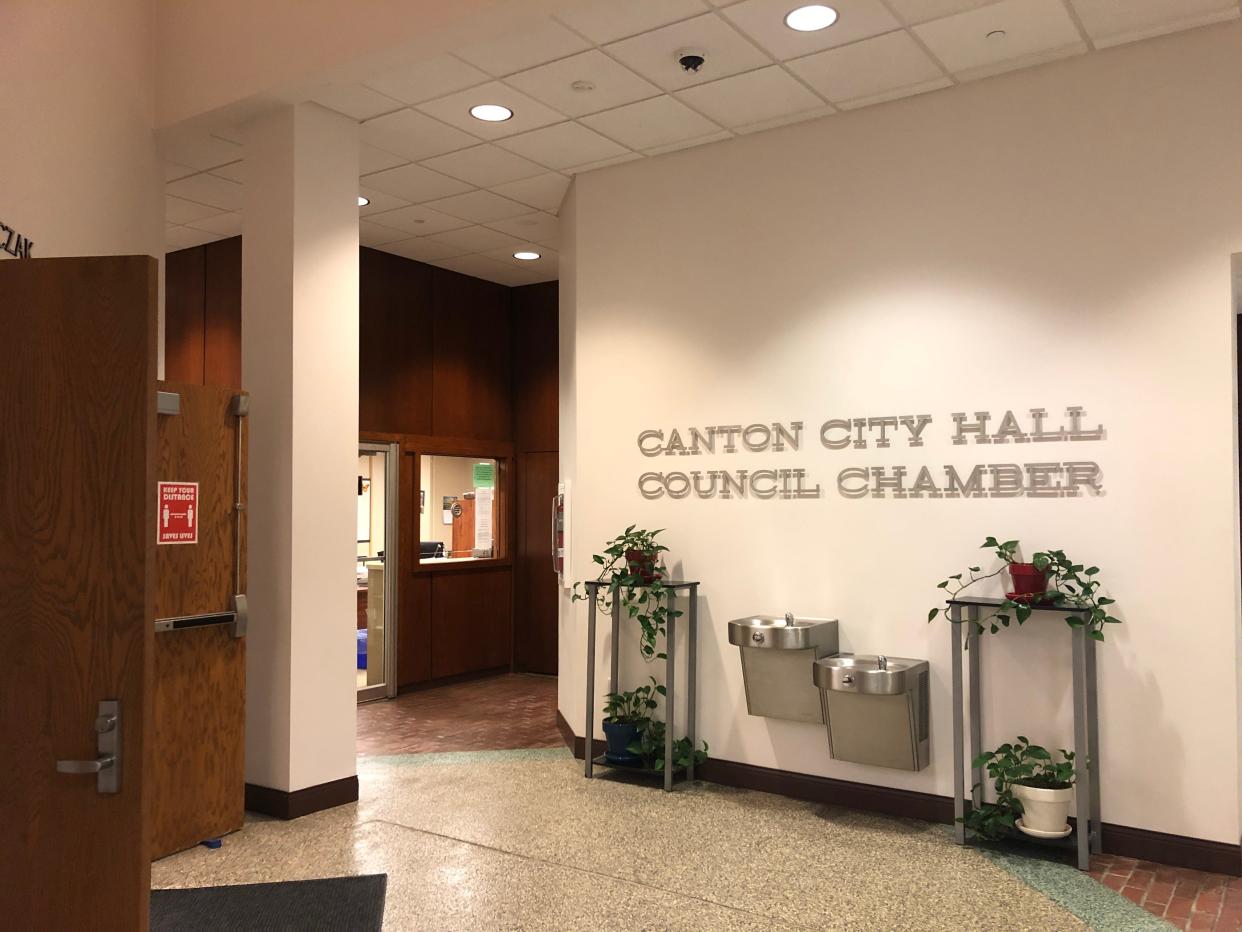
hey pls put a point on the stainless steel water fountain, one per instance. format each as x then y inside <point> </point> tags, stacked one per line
<point>777,655</point>
<point>876,709</point>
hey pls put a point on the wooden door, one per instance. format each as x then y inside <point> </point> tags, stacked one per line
<point>199,684</point>
<point>534,582</point>
<point>77,536</point>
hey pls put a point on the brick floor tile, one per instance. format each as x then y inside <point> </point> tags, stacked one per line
<point>1113,882</point>
<point>1179,907</point>
<point>1134,893</point>
<point>1159,893</point>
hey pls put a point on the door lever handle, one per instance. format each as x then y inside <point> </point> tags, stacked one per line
<point>86,766</point>
<point>107,765</point>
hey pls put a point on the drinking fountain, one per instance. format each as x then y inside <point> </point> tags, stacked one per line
<point>777,652</point>
<point>875,708</point>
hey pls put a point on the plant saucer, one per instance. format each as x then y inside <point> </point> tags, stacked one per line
<point>1037,833</point>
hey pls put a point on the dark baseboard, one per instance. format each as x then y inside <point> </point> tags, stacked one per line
<point>292,805</point>
<point>903,803</point>
<point>451,680</point>
<point>1178,850</point>
<point>1142,844</point>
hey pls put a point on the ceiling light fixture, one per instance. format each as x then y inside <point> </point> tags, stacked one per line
<point>811,18</point>
<point>363,201</point>
<point>996,34</point>
<point>526,255</point>
<point>491,113</point>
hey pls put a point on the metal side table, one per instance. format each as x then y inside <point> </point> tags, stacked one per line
<point>1086,836</point>
<point>670,672</point>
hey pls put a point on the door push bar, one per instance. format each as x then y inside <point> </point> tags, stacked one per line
<point>169,403</point>
<point>107,765</point>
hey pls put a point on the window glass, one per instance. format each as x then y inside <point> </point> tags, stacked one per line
<point>457,508</point>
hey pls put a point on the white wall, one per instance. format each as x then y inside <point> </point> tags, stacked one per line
<point>1054,237</point>
<point>80,176</point>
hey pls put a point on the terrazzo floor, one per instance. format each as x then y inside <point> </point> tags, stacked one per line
<point>519,840</point>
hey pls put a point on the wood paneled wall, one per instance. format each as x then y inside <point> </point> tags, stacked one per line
<point>441,355</point>
<point>202,314</point>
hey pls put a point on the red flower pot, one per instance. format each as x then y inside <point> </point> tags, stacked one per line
<point>642,564</point>
<point>1027,579</point>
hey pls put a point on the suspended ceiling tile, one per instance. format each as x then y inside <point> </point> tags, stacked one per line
<point>543,191</point>
<point>375,234</point>
<point>524,48</point>
<point>417,220</point>
<point>422,249</point>
<point>234,171</point>
<point>371,159</point>
<point>426,80</point>
<point>608,20</point>
<point>414,183</point>
<point>1022,32</point>
<point>564,145</point>
<point>179,237</point>
<point>766,94</point>
<point>865,69</point>
<point>178,210</point>
<point>535,227</point>
<point>592,166</point>
<point>764,21</point>
<point>547,261</point>
<point>611,84</point>
<point>802,117</point>
<point>173,171</point>
<point>1110,22</point>
<point>650,123</point>
<point>690,143</point>
<point>480,207</point>
<point>654,54</point>
<point>414,135</point>
<point>380,201</point>
<point>209,189</point>
<point>356,101</point>
<point>229,224</point>
<point>485,166</point>
<point>477,239</point>
<point>920,11</point>
<point>528,113</point>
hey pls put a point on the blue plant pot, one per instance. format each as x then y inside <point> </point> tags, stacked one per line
<point>619,737</point>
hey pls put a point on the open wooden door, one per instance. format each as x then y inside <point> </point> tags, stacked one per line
<point>77,538</point>
<point>197,780</point>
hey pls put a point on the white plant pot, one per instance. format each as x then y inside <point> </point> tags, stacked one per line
<point>1044,811</point>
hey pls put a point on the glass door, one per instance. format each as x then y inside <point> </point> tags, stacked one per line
<point>377,570</point>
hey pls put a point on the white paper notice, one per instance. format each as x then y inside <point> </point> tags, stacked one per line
<point>482,519</point>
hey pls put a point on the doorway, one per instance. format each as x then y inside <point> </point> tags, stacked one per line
<point>376,574</point>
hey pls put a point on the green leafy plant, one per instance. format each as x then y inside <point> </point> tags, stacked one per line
<point>1012,764</point>
<point>1072,587</point>
<point>634,586</point>
<point>650,747</point>
<point>632,707</point>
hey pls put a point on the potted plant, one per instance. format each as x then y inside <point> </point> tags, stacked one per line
<point>1033,792</point>
<point>625,715</point>
<point>631,572</point>
<point>1054,579</point>
<point>650,748</point>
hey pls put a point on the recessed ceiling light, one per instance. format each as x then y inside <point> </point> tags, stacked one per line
<point>491,113</point>
<point>811,18</point>
<point>526,255</point>
<point>363,201</point>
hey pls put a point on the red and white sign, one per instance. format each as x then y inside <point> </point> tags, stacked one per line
<point>177,520</point>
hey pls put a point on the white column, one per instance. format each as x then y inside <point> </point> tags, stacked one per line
<point>300,364</point>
